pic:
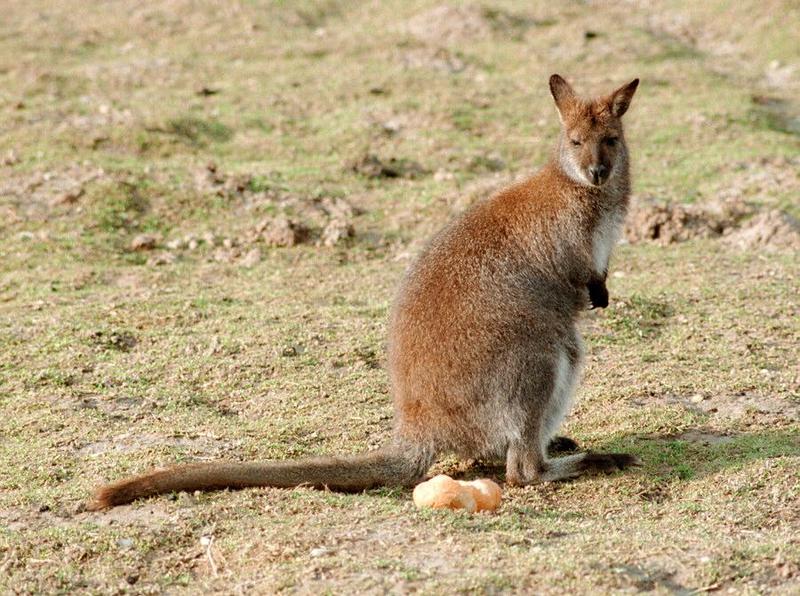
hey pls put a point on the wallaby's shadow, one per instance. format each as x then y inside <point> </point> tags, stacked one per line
<point>699,452</point>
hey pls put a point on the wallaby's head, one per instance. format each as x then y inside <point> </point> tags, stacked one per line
<point>592,148</point>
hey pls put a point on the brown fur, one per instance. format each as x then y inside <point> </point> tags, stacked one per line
<point>484,353</point>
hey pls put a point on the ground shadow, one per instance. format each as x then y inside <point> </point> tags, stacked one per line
<point>693,453</point>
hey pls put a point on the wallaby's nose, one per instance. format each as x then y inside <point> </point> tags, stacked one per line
<point>598,173</point>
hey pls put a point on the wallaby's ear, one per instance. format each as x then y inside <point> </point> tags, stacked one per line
<point>562,94</point>
<point>620,100</point>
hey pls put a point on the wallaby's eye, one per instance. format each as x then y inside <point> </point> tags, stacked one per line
<point>610,141</point>
<point>576,143</point>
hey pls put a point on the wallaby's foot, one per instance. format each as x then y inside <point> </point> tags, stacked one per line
<point>524,463</point>
<point>561,445</point>
<point>609,462</point>
<point>524,467</point>
<point>571,466</point>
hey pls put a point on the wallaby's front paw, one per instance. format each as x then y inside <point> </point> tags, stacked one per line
<point>598,294</point>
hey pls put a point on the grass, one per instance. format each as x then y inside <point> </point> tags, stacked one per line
<point>197,131</point>
<point>111,364</point>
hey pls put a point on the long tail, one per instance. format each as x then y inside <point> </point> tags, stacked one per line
<point>390,467</point>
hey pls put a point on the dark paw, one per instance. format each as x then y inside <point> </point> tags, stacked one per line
<point>598,294</point>
<point>561,445</point>
<point>610,462</point>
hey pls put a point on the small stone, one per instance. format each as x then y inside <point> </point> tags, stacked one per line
<point>145,242</point>
<point>164,258</point>
<point>223,255</point>
<point>320,551</point>
<point>442,175</point>
<point>696,398</point>
<point>68,198</point>
<point>125,543</point>
<point>281,231</point>
<point>391,127</point>
<point>337,231</point>
<point>186,500</point>
<point>11,158</point>
<point>252,258</point>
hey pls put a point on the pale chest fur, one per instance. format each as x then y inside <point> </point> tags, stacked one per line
<point>605,236</point>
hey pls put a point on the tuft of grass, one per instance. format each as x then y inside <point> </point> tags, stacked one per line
<point>775,114</point>
<point>638,317</point>
<point>118,340</point>
<point>197,131</point>
<point>118,206</point>
<point>511,24</point>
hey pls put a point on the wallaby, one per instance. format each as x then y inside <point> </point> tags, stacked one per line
<point>484,350</point>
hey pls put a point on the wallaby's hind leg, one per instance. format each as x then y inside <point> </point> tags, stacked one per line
<point>524,464</point>
<point>527,460</point>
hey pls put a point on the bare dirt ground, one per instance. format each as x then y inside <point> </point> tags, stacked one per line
<point>205,209</point>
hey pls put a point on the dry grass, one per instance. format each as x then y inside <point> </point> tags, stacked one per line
<point>111,363</point>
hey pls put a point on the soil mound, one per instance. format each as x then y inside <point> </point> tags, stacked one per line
<point>771,230</point>
<point>737,223</point>
<point>456,23</point>
<point>447,24</point>
<point>667,223</point>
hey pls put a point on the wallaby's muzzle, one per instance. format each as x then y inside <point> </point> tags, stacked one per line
<point>598,174</point>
